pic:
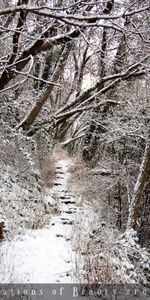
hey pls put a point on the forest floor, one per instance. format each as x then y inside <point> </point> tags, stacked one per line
<point>73,246</point>
<point>46,255</point>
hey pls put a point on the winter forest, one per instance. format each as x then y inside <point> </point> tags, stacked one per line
<point>75,141</point>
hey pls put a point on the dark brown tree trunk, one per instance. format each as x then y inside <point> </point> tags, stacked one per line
<point>30,118</point>
<point>136,205</point>
<point>92,137</point>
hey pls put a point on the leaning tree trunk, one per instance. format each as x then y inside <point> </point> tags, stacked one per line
<point>135,208</point>
<point>30,118</point>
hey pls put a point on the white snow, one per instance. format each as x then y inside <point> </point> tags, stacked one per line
<point>88,81</point>
<point>40,258</point>
<point>44,255</point>
<point>51,254</point>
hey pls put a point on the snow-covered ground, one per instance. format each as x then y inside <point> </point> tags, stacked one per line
<point>45,255</point>
<point>63,253</point>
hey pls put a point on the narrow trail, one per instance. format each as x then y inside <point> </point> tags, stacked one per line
<point>46,255</point>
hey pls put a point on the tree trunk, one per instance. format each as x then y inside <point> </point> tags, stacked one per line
<point>136,204</point>
<point>30,118</point>
<point>91,140</point>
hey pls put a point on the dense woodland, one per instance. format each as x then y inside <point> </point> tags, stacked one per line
<point>74,74</point>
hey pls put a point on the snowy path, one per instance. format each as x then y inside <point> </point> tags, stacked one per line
<point>45,255</point>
